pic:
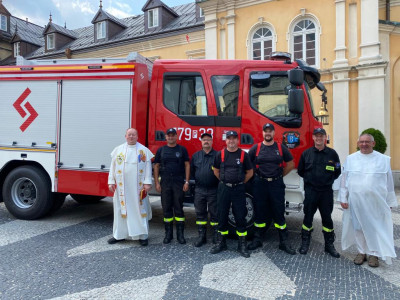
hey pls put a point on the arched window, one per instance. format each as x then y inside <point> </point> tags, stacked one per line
<point>304,43</point>
<point>262,43</point>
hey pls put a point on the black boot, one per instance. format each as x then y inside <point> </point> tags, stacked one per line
<point>283,242</point>
<point>242,247</point>
<point>329,247</point>
<point>220,245</point>
<point>214,234</point>
<point>202,239</point>
<point>179,232</point>
<point>257,240</point>
<point>168,232</point>
<point>305,241</point>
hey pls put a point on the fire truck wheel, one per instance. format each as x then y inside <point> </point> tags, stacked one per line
<point>26,193</point>
<point>58,201</point>
<point>86,199</point>
<point>249,218</point>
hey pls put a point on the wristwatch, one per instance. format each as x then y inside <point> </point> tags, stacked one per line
<point>186,182</point>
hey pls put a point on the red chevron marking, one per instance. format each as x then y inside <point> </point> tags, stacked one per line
<point>18,102</point>
<point>31,118</point>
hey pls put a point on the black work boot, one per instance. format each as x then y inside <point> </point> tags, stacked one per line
<point>305,241</point>
<point>179,232</point>
<point>283,242</point>
<point>329,247</point>
<point>214,234</point>
<point>242,247</point>
<point>220,245</point>
<point>257,240</point>
<point>202,239</point>
<point>168,232</point>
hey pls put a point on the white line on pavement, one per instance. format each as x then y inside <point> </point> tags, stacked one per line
<point>72,214</point>
<point>151,288</point>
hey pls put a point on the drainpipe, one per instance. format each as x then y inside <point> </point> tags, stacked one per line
<point>387,10</point>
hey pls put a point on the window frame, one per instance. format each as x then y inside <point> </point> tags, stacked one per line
<point>201,12</point>
<point>281,120</point>
<point>51,38</point>
<point>152,18</point>
<point>101,30</point>
<point>303,34</point>
<point>182,76</point>
<point>3,17</point>
<point>220,112</point>
<point>17,49</point>
<point>262,41</point>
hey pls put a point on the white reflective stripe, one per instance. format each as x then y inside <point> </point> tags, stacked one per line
<point>67,74</point>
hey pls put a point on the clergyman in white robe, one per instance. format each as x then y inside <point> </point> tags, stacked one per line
<point>367,186</point>
<point>130,169</point>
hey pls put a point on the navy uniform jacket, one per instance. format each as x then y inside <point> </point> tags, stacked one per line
<point>319,168</point>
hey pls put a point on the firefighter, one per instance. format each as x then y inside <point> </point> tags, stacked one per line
<point>268,159</point>
<point>233,168</point>
<point>172,163</point>
<point>319,166</point>
<point>206,188</point>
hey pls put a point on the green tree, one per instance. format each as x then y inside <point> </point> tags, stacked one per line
<point>380,140</point>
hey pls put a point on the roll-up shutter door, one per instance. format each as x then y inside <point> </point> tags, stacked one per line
<point>28,113</point>
<point>94,117</point>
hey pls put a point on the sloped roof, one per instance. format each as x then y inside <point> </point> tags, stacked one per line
<point>60,29</point>
<point>106,16</point>
<point>26,31</point>
<point>134,30</point>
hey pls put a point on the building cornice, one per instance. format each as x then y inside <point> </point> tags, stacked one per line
<point>388,28</point>
<point>221,6</point>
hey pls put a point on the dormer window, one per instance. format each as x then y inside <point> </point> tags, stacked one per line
<point>16,49</point>
<point>50,41</point>
<point>153,17</point>
<point>201,12</point>
<point>101,30</point>
<point>3,22</point>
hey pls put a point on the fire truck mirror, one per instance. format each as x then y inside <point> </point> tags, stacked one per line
<point>296,101</point>
<point>260,80</point>
<point>296,76</point>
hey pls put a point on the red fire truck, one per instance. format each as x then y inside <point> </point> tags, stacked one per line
<point>60,119</point>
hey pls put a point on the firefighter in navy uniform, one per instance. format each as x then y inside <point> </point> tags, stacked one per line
<point>205,194</point>
<point>233,168</point>
<point>172,163</point>
<point>319,166</point>
<point>268,160</point>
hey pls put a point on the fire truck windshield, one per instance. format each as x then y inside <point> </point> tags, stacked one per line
<point>271,99</point>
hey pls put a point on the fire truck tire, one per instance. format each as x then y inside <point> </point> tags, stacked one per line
<point>249,219</point>
<point>86,199</point>
<point>27,193</point>
<point>58,201</point>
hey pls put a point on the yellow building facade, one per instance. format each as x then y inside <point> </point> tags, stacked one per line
<point>354,43</point>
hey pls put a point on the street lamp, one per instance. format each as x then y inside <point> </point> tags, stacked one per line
<point>323,115</point>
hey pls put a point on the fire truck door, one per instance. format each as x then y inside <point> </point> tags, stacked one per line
<point>184,104</point>
<point>28,113</point>
<point>226,96</point>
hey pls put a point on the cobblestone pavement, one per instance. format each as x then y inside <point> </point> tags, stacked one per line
<point>66,256</point>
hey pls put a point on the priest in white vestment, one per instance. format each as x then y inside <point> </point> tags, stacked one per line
<point>130,180</point>
<point>367,196</point>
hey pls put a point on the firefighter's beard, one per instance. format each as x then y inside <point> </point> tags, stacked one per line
<point>268,138</point>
